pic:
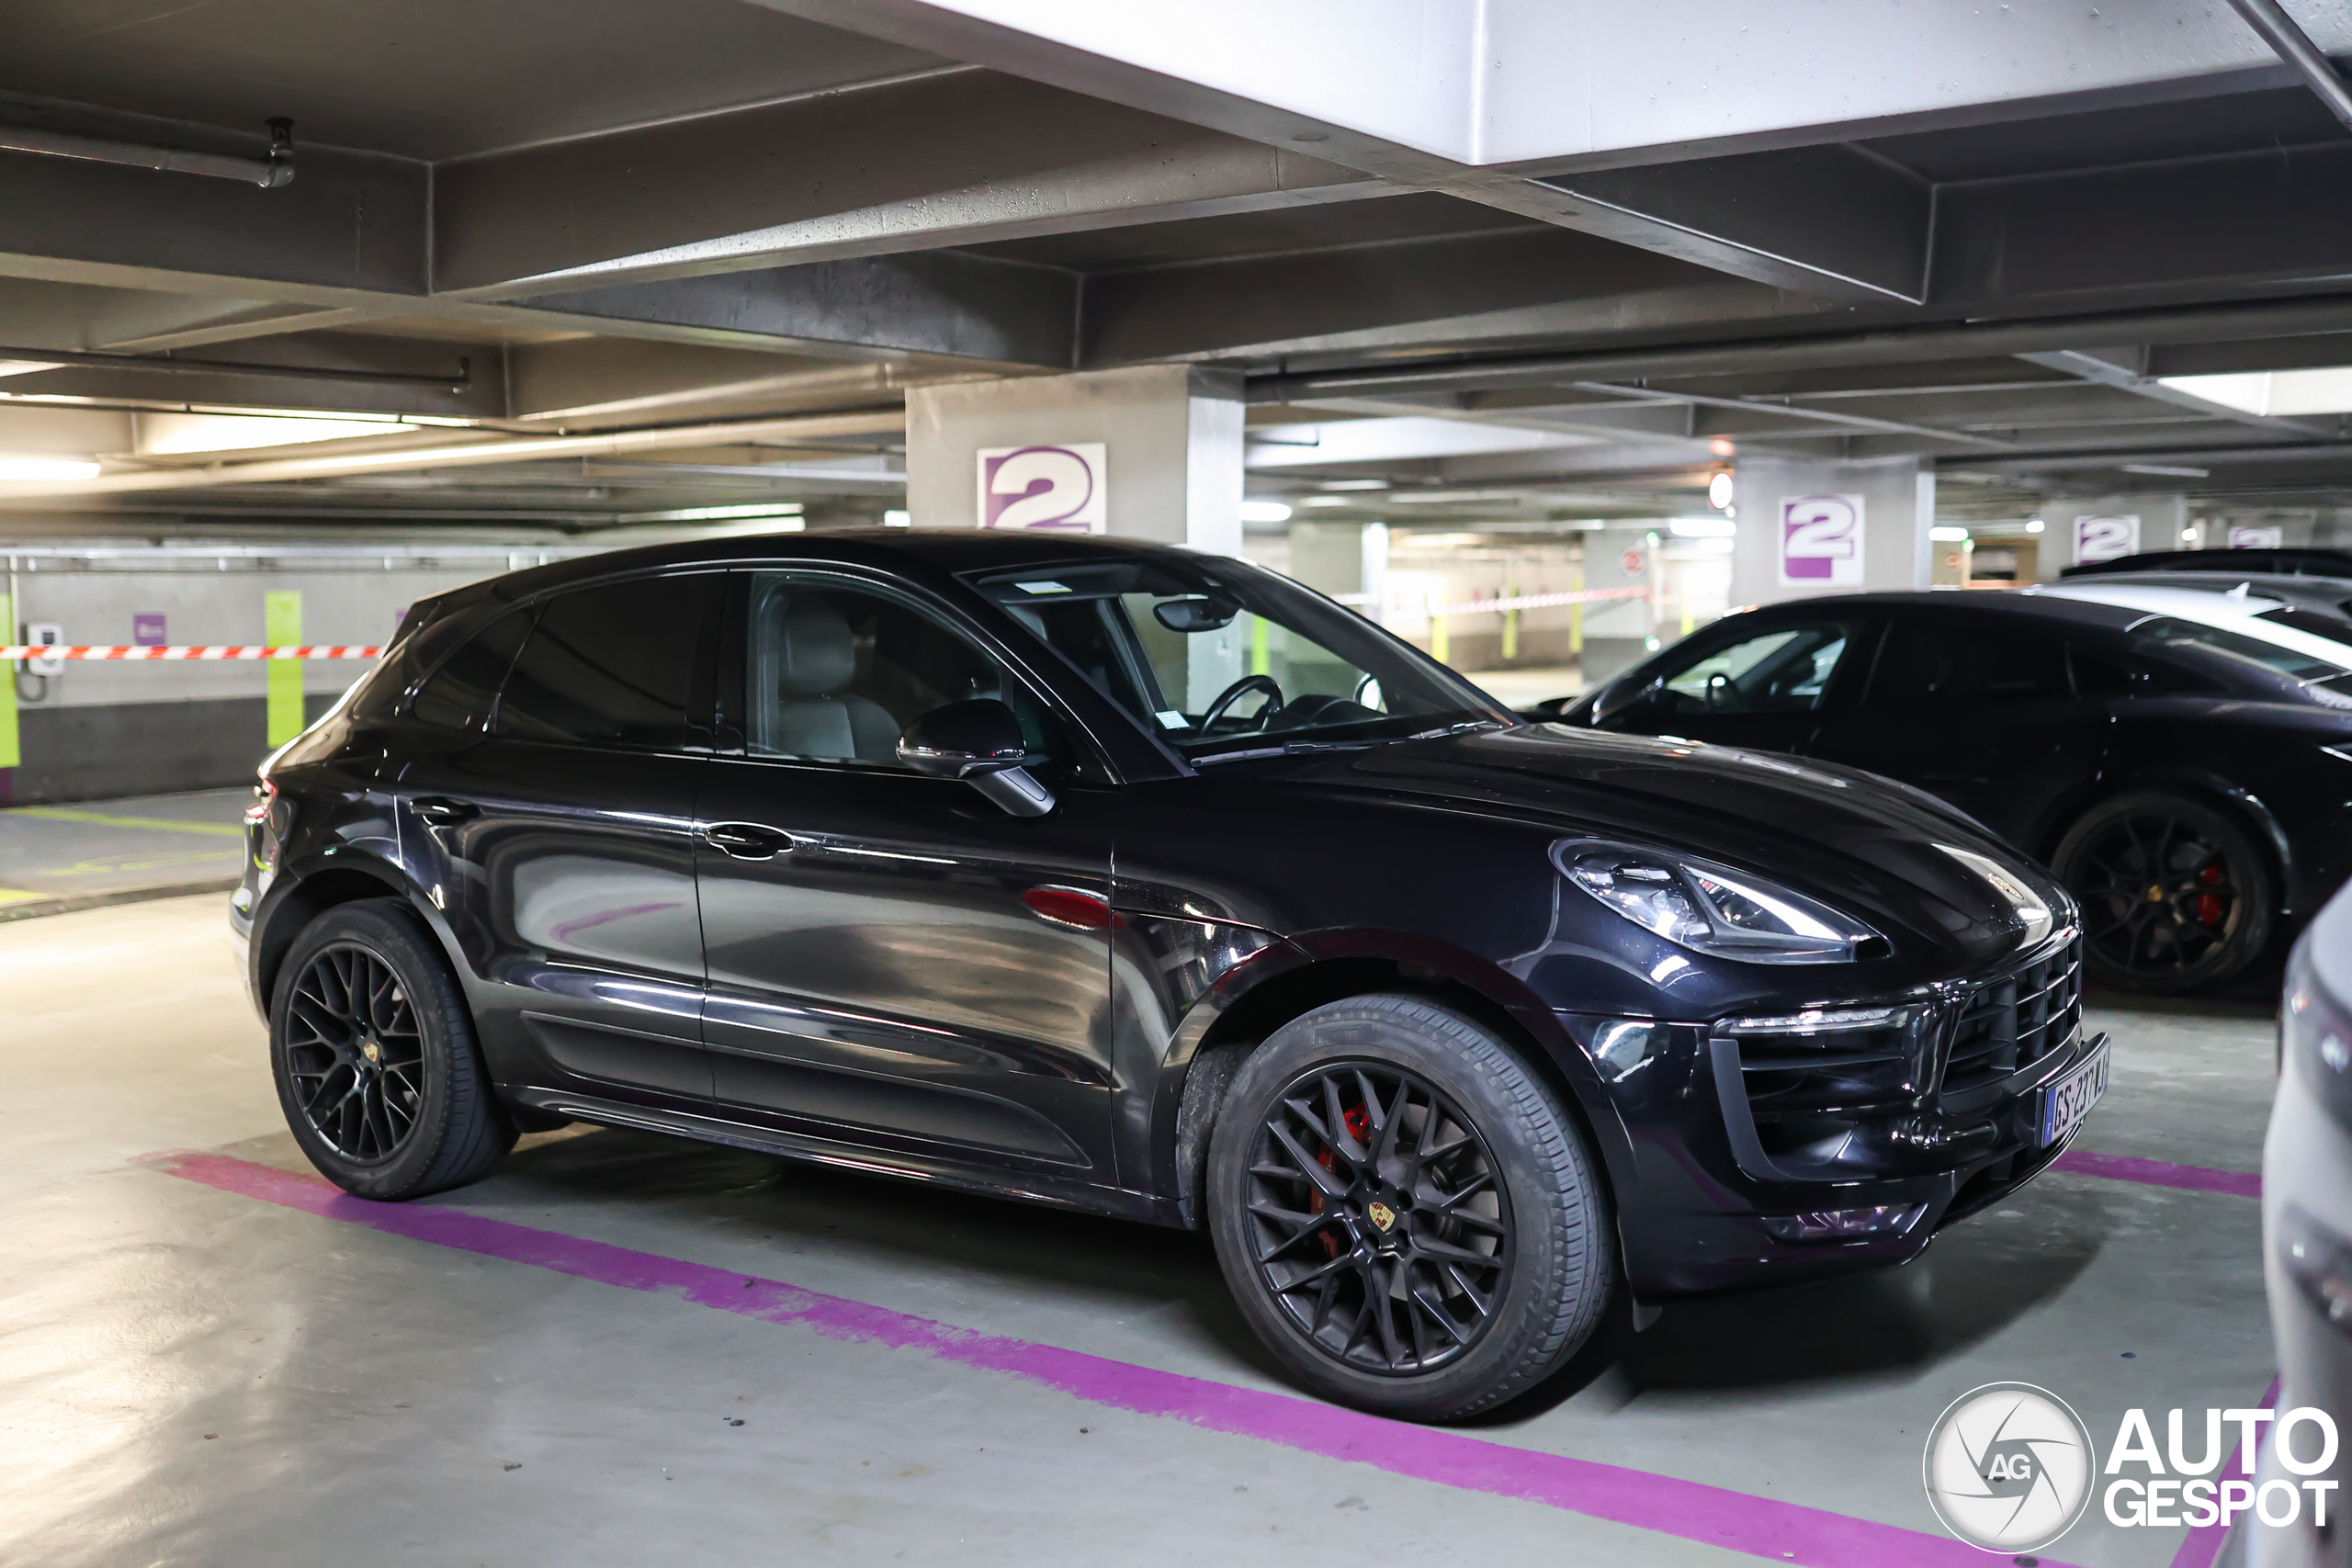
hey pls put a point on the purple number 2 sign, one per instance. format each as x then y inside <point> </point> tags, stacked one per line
<point>1821,541</point>
<point>1058,488</point>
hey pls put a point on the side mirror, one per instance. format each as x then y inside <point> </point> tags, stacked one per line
<point>1623,695</point>
<point>1197,613</point>
<point>979,741</point>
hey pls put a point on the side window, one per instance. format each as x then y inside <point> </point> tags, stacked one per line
<point>1940,662</point>
<point>1787,670</point>
<point>614,665</point>
<point>459,694</point>
<point>2097,675</point>
<point>834,672</point>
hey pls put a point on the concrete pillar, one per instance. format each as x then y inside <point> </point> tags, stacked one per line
<point>2160,520</point>
<point>1347,560</point>
<point>1168,439</point>
<point>1896,501</point>
<point>1613,634</point>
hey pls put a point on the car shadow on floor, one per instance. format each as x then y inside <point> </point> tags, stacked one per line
<point>1980,1276</point>
<point>1132,1269</point>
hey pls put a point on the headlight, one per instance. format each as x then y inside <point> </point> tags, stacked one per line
<point>1712,909</point>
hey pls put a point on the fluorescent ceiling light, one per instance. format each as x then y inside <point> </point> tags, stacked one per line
<point>1948,536</point>
<point>47,468</point>
<point>1264,511</point>
<point>719,513</point>
<point>170,435</point>
<point>1355,484</point>
<point>1326,501</point>
<point>1702,528</point>
<point>2269,392</point>
<point>1392,440</point>
<point>894,518</point>
<point>2167,471</point>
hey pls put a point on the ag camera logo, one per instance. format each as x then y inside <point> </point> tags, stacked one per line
<point>2009,1467</point>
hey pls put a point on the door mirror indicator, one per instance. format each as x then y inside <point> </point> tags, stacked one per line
<point>979,741</point>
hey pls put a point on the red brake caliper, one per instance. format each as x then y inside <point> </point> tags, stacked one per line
<point>1358,1122</point>
<point>2208,904</point>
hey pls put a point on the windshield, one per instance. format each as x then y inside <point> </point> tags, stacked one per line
<point>1227,660</point>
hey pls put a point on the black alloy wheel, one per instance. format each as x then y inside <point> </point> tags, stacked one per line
<point>1380,1228</point>
<point>2175,894</point>
<point>355,1054</point>
<point>1405,1213</point>
<point>374,1054</point>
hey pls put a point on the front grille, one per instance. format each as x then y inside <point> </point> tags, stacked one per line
<point>2016,1021</point>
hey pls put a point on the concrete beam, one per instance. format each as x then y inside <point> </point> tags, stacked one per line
<point>954,158</point>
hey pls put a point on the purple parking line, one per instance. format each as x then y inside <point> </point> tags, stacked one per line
<point>1715,1515</point>
<point>2160,1173</point>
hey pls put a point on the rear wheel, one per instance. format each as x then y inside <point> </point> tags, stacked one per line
<point>1408,1217</point>
<point>374,1054</point>
<point>2177,895</point>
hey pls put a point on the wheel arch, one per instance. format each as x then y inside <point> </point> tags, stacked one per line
<point>2210,788</point>
<point>301,894</point>
<point>1282,984</point>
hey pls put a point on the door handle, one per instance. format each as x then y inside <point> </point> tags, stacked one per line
<point>443,812</point>
<point>747,841</point>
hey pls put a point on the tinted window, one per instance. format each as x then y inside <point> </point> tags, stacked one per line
<point>2319,623</point>
<point>2097,675</point>
<point>833,674</point>
<point>459,694</point>
<point>1784,671</point>
<point>613,665</point>
<point>1939,662</point>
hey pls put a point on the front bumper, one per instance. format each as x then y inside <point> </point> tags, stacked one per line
<point>1934,1115</point>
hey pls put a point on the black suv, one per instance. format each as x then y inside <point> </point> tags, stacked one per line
<point>1150,884</point>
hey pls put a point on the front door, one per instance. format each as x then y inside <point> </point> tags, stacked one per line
<point>894,962</point>
<point>558,834</point>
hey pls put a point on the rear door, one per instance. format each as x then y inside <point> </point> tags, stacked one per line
<point>559,828</point>
<point>1769,687</point>
<point>1978,708</point>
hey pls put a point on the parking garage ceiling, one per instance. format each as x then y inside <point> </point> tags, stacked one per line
<point>569,265</point>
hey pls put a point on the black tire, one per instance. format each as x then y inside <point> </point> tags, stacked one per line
<point>1302,1254</point>
<point>2178,893</point>
<point>374,1056</point>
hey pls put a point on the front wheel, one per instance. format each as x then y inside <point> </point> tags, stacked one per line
<point>2176,895</point>
<point>1408,1217</point>
<point>374,1054</point>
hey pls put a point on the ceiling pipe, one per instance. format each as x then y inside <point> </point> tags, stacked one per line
<point>519,449</point>
<point>31,361</point>
<point>272,171</point>
<point>1826,351</point>
<point>2290,43</point>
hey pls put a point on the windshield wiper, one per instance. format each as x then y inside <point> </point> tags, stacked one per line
<point>1465,727</point>
<point>1292,749</point>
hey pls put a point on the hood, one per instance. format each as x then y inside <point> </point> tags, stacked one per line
<point>1864,843</point>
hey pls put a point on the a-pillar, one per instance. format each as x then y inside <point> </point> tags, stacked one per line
<point>1168,439</point>
<point>2083,533</point>
<point>1896,502</point>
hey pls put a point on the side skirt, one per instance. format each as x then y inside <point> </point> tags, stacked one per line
<point>1060,1192</point>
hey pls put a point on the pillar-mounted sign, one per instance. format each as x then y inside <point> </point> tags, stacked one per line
<point>2105,538</point>
<point>1820,541</point>
<point>1058,489</point>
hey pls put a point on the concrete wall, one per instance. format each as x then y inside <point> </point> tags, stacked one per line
<point>103,729</point>
<point>1898,508</point>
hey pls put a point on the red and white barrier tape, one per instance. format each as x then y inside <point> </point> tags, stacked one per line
<point>307,651</point>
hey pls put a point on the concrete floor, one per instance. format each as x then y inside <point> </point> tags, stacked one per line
<point>100,851</point>
<point>192,1376</point>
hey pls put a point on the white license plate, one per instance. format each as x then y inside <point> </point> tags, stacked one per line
<point>2068,1101</point>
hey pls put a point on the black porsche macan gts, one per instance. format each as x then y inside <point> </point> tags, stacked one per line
<point>1150,884</point>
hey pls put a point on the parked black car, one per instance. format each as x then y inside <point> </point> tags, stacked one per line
<point>2183,761</point>
<point>1150,884</point>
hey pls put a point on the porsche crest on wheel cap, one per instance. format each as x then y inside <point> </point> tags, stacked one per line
<point>1381,1214</point>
